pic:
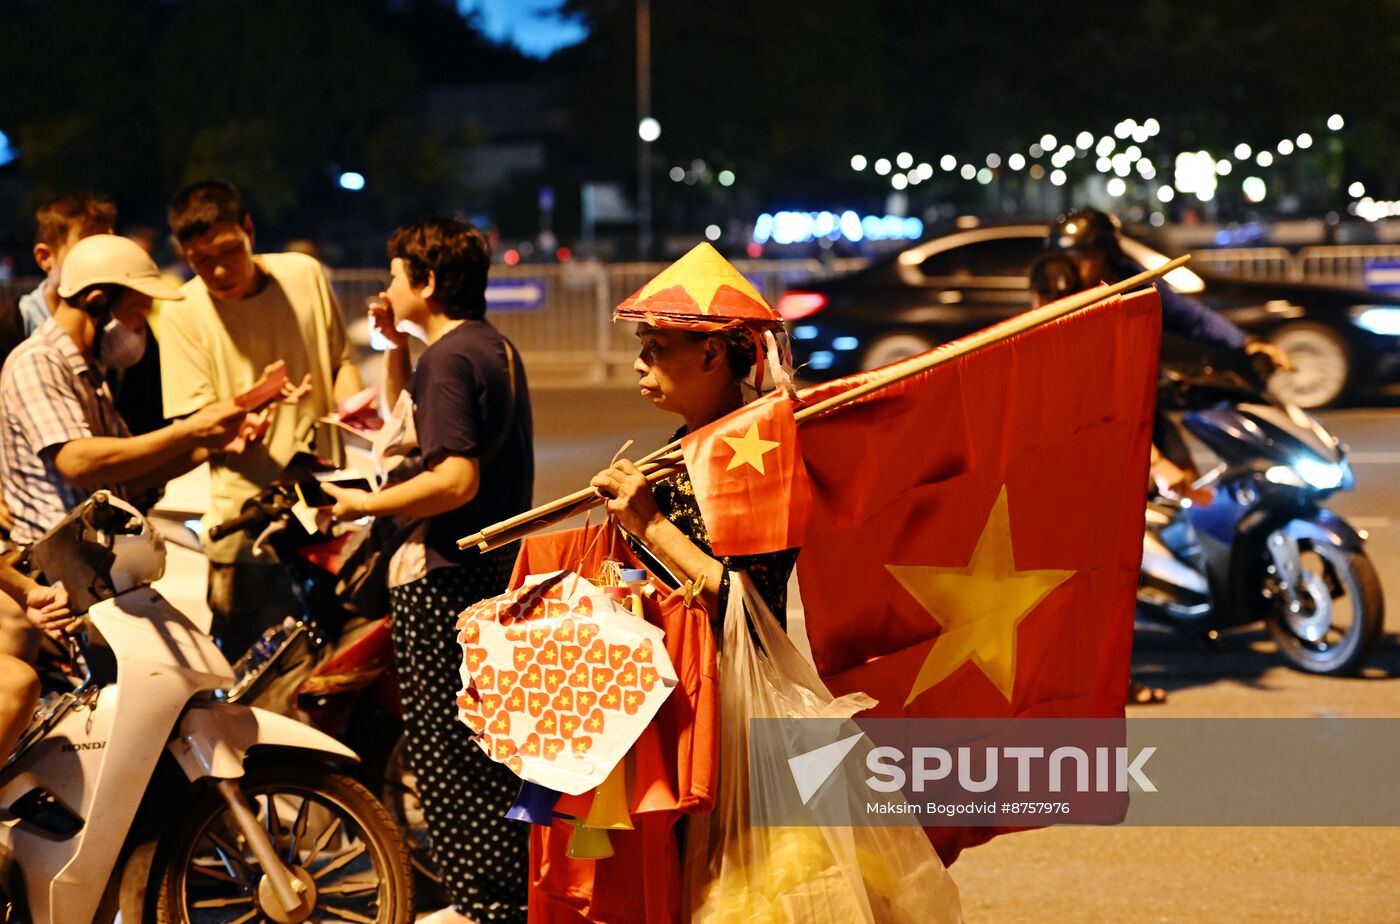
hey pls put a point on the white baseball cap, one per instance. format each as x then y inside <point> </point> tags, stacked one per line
<point>112,259</point>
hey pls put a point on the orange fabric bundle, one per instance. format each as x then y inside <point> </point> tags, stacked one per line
<point>642,881</point>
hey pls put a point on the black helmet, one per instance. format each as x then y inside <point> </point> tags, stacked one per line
<point>1085,229</point>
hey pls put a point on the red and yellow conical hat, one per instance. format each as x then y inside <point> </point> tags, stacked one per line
<point>700,291</point>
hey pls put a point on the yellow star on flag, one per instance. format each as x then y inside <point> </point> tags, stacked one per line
<point>978,607</point>
<point>749,449</point>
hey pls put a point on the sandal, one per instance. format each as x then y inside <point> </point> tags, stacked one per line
<point>1140,694</point>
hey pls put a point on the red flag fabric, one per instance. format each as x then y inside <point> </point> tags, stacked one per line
<point>749,478</point>
<point>976,529</point>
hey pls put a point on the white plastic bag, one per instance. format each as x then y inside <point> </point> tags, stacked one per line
<point>740,873</point>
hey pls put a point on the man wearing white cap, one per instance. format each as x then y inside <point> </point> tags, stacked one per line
<point>61,437</point>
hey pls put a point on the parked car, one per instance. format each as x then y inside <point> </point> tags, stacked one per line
<point>1343,342</point>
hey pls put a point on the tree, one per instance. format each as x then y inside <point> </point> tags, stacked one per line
<point>136,99</point>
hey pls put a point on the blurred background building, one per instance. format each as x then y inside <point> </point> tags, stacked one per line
<point>625,128</point>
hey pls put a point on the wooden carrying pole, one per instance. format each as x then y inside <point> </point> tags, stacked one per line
<point>668,459</point>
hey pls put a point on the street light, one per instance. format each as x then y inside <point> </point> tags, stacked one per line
<point>648,129</point>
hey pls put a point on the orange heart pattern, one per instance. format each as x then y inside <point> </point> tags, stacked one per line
<point>558,673</point>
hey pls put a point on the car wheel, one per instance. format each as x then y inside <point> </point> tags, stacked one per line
<point>892,348</point>
<point>1321,365</point>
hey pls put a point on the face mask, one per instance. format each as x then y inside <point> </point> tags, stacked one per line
<point>119,347</point>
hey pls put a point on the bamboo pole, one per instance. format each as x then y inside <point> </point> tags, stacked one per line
<point>668,459</point>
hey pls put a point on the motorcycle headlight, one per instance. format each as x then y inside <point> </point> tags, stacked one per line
<point>1324,476</point>
<point>1285,475</point>
<point>1378,319</point>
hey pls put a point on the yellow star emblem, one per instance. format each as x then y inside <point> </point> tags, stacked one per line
<point>749,449</point>
<point>978,607</point>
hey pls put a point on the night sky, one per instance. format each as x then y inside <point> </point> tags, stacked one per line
<point>529,24</point>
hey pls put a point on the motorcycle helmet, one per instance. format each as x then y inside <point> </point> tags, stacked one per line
<point>109,259</point>
<point>1085,229</point>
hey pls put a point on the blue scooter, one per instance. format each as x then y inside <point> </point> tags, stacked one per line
<point>1264,548</point>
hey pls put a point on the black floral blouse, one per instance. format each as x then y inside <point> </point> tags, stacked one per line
<point>675,497</point>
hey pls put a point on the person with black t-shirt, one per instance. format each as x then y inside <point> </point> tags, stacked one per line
<point>475,466</point>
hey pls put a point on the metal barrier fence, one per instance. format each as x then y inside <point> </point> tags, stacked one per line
<point>570,332</point>
<point>1254,262</point>
<point>1343,265</point>
<point>1334,264</point>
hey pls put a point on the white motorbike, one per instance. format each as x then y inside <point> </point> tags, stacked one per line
<point>142,793</point>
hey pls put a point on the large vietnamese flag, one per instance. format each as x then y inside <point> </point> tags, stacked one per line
<point>976,529</point>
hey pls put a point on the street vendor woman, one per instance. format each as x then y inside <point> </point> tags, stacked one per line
<point>700,324</point>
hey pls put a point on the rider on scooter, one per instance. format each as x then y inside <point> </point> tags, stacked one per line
<point>1091,240</point>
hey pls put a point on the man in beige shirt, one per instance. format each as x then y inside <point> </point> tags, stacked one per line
<point>240,314</point>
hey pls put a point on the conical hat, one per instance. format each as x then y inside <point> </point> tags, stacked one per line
<point>700,291</point>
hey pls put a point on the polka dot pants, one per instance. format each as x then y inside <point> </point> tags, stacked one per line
<point>483,857</point>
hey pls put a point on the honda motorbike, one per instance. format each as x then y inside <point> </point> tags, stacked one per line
<point>141,792</point>
<point>328,664</point>
<point>1264,548</point>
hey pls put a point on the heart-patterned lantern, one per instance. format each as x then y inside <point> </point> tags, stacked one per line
<point>558,680</point>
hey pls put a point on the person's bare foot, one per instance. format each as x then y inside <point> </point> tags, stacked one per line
<point>1140,694</point>
<point>448,915</point>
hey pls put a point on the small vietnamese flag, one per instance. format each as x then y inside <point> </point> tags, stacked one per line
<point>749,479</point>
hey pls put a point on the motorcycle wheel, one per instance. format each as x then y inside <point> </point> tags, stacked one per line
<point>1319,639</point>
<point>399,793</point>
<point>333,835</point>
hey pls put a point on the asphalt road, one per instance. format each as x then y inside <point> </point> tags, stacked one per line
<point>1165,874</point>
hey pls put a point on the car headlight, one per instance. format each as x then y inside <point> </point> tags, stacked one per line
<point>1383,320</point>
